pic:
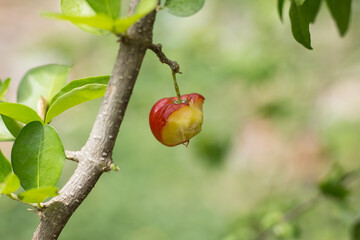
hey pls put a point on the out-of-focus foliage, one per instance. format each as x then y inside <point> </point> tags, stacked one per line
<point>334,184</point>
<point>276,118</point>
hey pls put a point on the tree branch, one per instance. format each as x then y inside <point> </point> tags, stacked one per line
<point>157,49</point>
<point>95,157</point>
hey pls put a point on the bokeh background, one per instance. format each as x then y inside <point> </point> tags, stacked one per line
<point>277,118</point>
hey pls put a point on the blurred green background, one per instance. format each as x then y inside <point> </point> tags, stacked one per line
<point>277,117</point>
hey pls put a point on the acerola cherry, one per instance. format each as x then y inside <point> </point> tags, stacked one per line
<point>173,123</point>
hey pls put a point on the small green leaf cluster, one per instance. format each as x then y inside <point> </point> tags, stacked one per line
<point>279,226</point>
<point>265,222</point>
<point>335,186</point>
<point>101,16</point>
<point>38,155</point>
<point>282,222</point>
<point>304,12</point>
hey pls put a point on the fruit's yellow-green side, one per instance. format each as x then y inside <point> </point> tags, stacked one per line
<point>183,124</point>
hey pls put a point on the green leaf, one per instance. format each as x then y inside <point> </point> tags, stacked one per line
<point>104,80</point>
<point>355,230</point>
<point>311,9</point>
<point>37,156</point>
<point>280,8</point>
<point>10,185</point>
<point>80,8</point>
<point>12,125</point>
<point>340,11</point>
<point>4,87</point>
<point>9,182</point>
<point>77,92</point>
<point>5,135</point>
<point>143,8</point>
<point>19,112</point>
<point>38,195</point>
<point>97,21</point>
<point>5,167</point>
<point>110,8</point>
<point>299,2</point>
<point>184,8</point>
<point>301,15</point>
<point>44,81</point>
<point>299,27</point>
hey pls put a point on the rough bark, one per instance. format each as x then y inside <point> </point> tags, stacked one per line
<point>95,157</point>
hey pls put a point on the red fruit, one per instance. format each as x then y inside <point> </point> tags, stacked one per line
<point>173,123</point>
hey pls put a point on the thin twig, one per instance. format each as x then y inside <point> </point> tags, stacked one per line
<point>72,155</point>
<point>15,197</point>
<point>34,211</point>
<point>157,49</point>
<point>301,208</point>
<point>176,87</point>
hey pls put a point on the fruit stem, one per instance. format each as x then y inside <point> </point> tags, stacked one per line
<point>176,86</point>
